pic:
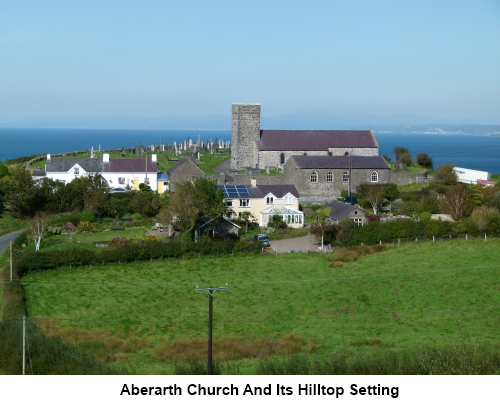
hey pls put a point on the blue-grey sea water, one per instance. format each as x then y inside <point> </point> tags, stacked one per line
<point>472,152</point>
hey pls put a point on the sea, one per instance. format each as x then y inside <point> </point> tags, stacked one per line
<point>471,152</point>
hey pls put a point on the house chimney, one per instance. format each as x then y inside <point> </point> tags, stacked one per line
<point>48,156</point>
<point>253,182</point>
<point>153,157</point>
<point>105,157</point>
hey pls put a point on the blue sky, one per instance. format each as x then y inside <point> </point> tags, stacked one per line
<point>155,58</point>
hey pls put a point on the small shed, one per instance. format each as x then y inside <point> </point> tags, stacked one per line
<point>216,228</point>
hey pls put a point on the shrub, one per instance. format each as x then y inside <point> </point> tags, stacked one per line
<point>87,216</point>
<point>85,226</point>
<point>117,228</point>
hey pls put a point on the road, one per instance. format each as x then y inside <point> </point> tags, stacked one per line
<point>5,240</point>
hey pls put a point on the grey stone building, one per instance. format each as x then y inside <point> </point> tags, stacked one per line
<point>320,179</point>
<point>184,170</point>
<point>256,148</point>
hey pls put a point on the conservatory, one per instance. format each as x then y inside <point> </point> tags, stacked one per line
<point>291,217</point>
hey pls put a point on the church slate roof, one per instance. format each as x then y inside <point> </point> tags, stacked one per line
<point>341,162</point>
<point>59,165</point>
<point>315,140</point>
<point>137,165</point>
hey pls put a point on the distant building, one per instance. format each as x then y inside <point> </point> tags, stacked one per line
<point>470,176</point>
<point>255,148</point>
<point>182,171</point>
<point>320,178</point>
<point>340,210</point>
<point>117,172</point>
<point>264,201</point>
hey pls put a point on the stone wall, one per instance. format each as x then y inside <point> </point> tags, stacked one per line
<point>266,179</point>
<point>402,178</point>
<point>268,158</point>
<point>301,178</point>
<point>245,132</point>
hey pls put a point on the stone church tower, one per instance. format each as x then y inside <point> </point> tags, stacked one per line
<point>245,133</point>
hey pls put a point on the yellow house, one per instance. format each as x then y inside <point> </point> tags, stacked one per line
<point>264,201</point>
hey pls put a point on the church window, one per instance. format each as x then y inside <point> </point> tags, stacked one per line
<point>282,158</point>
<point>330,153</point>
<point>345,176</point>
<point>329,177</point>
<point>374,177</point>
<point>314,177</point>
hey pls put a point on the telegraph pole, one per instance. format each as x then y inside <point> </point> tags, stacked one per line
<point>10,261</point>
<point>210,291</point>
<point>24,344</point>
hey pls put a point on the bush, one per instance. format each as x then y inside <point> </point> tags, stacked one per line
<point>87,217</point>
<point>117,228</point>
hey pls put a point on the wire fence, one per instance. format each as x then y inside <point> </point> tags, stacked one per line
<point>328,248</point>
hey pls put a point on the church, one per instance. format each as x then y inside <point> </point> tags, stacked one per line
<point>321,164</point>
<point>255,148</point>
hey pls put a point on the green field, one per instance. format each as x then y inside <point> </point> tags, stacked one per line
<point>149,314</point>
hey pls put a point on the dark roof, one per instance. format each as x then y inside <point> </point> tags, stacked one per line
<point>178,164</point>
<point>315,140</point>
<point>39,173</point>
<point>63,164</point>
<point>278,190</point>
<point>130,165</point>
<point>259,191</point>
<point>341,162</point>
<point>339,209</point>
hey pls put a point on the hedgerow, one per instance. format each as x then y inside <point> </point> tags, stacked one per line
<point>128,251</point>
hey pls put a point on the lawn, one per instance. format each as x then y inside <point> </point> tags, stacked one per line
<point>407,296</point>
<point>137,233</point>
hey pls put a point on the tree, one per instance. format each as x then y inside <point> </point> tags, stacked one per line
<point>458,201</point>
<point>322,226</point>
<point>94,190</point>
<point>403,155</point>
<point>445,175</point>
<point>424,160</point>
<point>247,217</point>
<point>22,193</point>
<point>191,201</point>
<point>377,194</point>
<point>38,225</point>
<point>146,201</point>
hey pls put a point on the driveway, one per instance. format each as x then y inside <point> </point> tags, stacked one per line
<point>304,244</point>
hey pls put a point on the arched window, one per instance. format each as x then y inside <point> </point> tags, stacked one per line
<point>345,176</point>
<point>374,177</point>
<point>282,158</point>
<point>314,177</point>
<point>329,177</point>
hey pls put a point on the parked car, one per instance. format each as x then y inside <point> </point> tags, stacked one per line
<point>262,238</point>
<point>117,190</point>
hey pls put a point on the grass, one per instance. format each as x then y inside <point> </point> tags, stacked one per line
<point>396,299</point>
<point>10,224</point>
<point>100,236</point>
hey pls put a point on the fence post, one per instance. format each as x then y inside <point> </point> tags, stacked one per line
<point>433,238</point>
<point>399,241</point>
<point>484,236</point>
<point>466,237</point>
<point>380,242</point>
